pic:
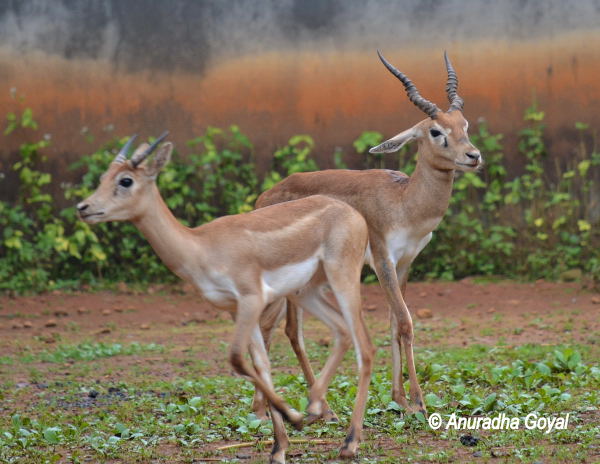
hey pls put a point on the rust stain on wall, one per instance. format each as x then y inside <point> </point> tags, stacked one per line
<point>330,95</point>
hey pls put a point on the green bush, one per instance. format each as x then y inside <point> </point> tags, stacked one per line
<point>534,225</point>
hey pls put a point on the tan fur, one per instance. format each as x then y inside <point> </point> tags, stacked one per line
<point>392,202</point>
<point>245,262</point>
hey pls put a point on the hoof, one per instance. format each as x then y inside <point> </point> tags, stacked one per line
<point>347,453</point>
<point>263,416</point>
<point>298,425</point>
<point>415,407</point>
<point>402,402</point>
<point>277,455</point>
<point>312,418</point>
<point>326,416</point>
<point>350,447</point>
<point>295,418</point>
<point>329,416</point>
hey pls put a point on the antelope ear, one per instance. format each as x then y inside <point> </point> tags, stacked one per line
<point>397,142</point>
<point>159,160</point>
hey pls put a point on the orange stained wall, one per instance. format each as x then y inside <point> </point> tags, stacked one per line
<point>330,86</point>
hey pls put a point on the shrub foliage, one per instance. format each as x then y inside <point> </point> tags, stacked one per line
<point>536,224</point>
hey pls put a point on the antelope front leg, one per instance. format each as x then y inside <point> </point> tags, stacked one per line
<point>262,365</point>
<point>398,392</point>
<point>417,403</point>
<point>402,337</point>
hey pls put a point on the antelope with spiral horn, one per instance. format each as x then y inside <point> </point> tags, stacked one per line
<point>401,214</point>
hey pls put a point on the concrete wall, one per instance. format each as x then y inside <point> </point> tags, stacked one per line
<point>283,67</point>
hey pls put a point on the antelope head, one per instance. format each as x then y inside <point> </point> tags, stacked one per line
<point>123,193</point>
<point>442,137</point>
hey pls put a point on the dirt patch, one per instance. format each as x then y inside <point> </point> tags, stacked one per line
<point>467,311</point>
<point>194,337</point>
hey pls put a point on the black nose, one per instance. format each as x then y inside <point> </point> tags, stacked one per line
<point>473,156</point>
<point>82,207</point>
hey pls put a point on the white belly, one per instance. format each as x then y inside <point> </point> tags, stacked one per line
<point>280,282</point>
<point>217,288</point>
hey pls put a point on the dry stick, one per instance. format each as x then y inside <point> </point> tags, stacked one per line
<point>270,442</point>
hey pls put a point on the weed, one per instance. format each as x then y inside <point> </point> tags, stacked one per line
<point>536,224</point>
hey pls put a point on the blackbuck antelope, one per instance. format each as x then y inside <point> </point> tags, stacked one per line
<point>246,262</point>
<point>401,213</point>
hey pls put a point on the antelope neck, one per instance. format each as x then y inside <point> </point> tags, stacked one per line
<point>168,237</point>
<point>429,190</point>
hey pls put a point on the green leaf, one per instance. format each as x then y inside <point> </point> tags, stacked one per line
<point>489,402</point>
<point>51,435</point>
<point>583,225</point>
<point>195,402</point>
<point>367,139</point>
<point>96,252</point>
<point>565,396</point>
<point>543,369</point>
<point>434,401</point>
<point>254,424</point>
<point>583,167</point>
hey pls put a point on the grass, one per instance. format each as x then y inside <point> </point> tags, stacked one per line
<point>81,404</point>
<point>85,351</point>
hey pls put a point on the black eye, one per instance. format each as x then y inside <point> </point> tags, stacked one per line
<point>435,133</point>
<point>126,182</point>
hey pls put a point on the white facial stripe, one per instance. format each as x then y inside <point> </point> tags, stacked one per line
<point>439,128</point>
<point>441,139</point>
<point>121,176</point>
<point>445,132</point>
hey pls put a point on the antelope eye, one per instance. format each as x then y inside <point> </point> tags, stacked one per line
<point>126,182</point>
<point>435,133</point>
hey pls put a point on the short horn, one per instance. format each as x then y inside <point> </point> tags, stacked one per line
<point>122,155</point>
<point>137,159</point>
<point>429,108</point>
<point>456,103</point>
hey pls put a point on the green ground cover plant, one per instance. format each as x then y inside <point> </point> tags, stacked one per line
<point>85,351</point>
<point>535,224</point>
<point>137,419</point>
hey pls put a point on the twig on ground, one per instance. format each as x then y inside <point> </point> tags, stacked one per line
<point>270,442</point>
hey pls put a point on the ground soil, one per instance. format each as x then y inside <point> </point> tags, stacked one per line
<point>468,311</point>
<point>458,313</point>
